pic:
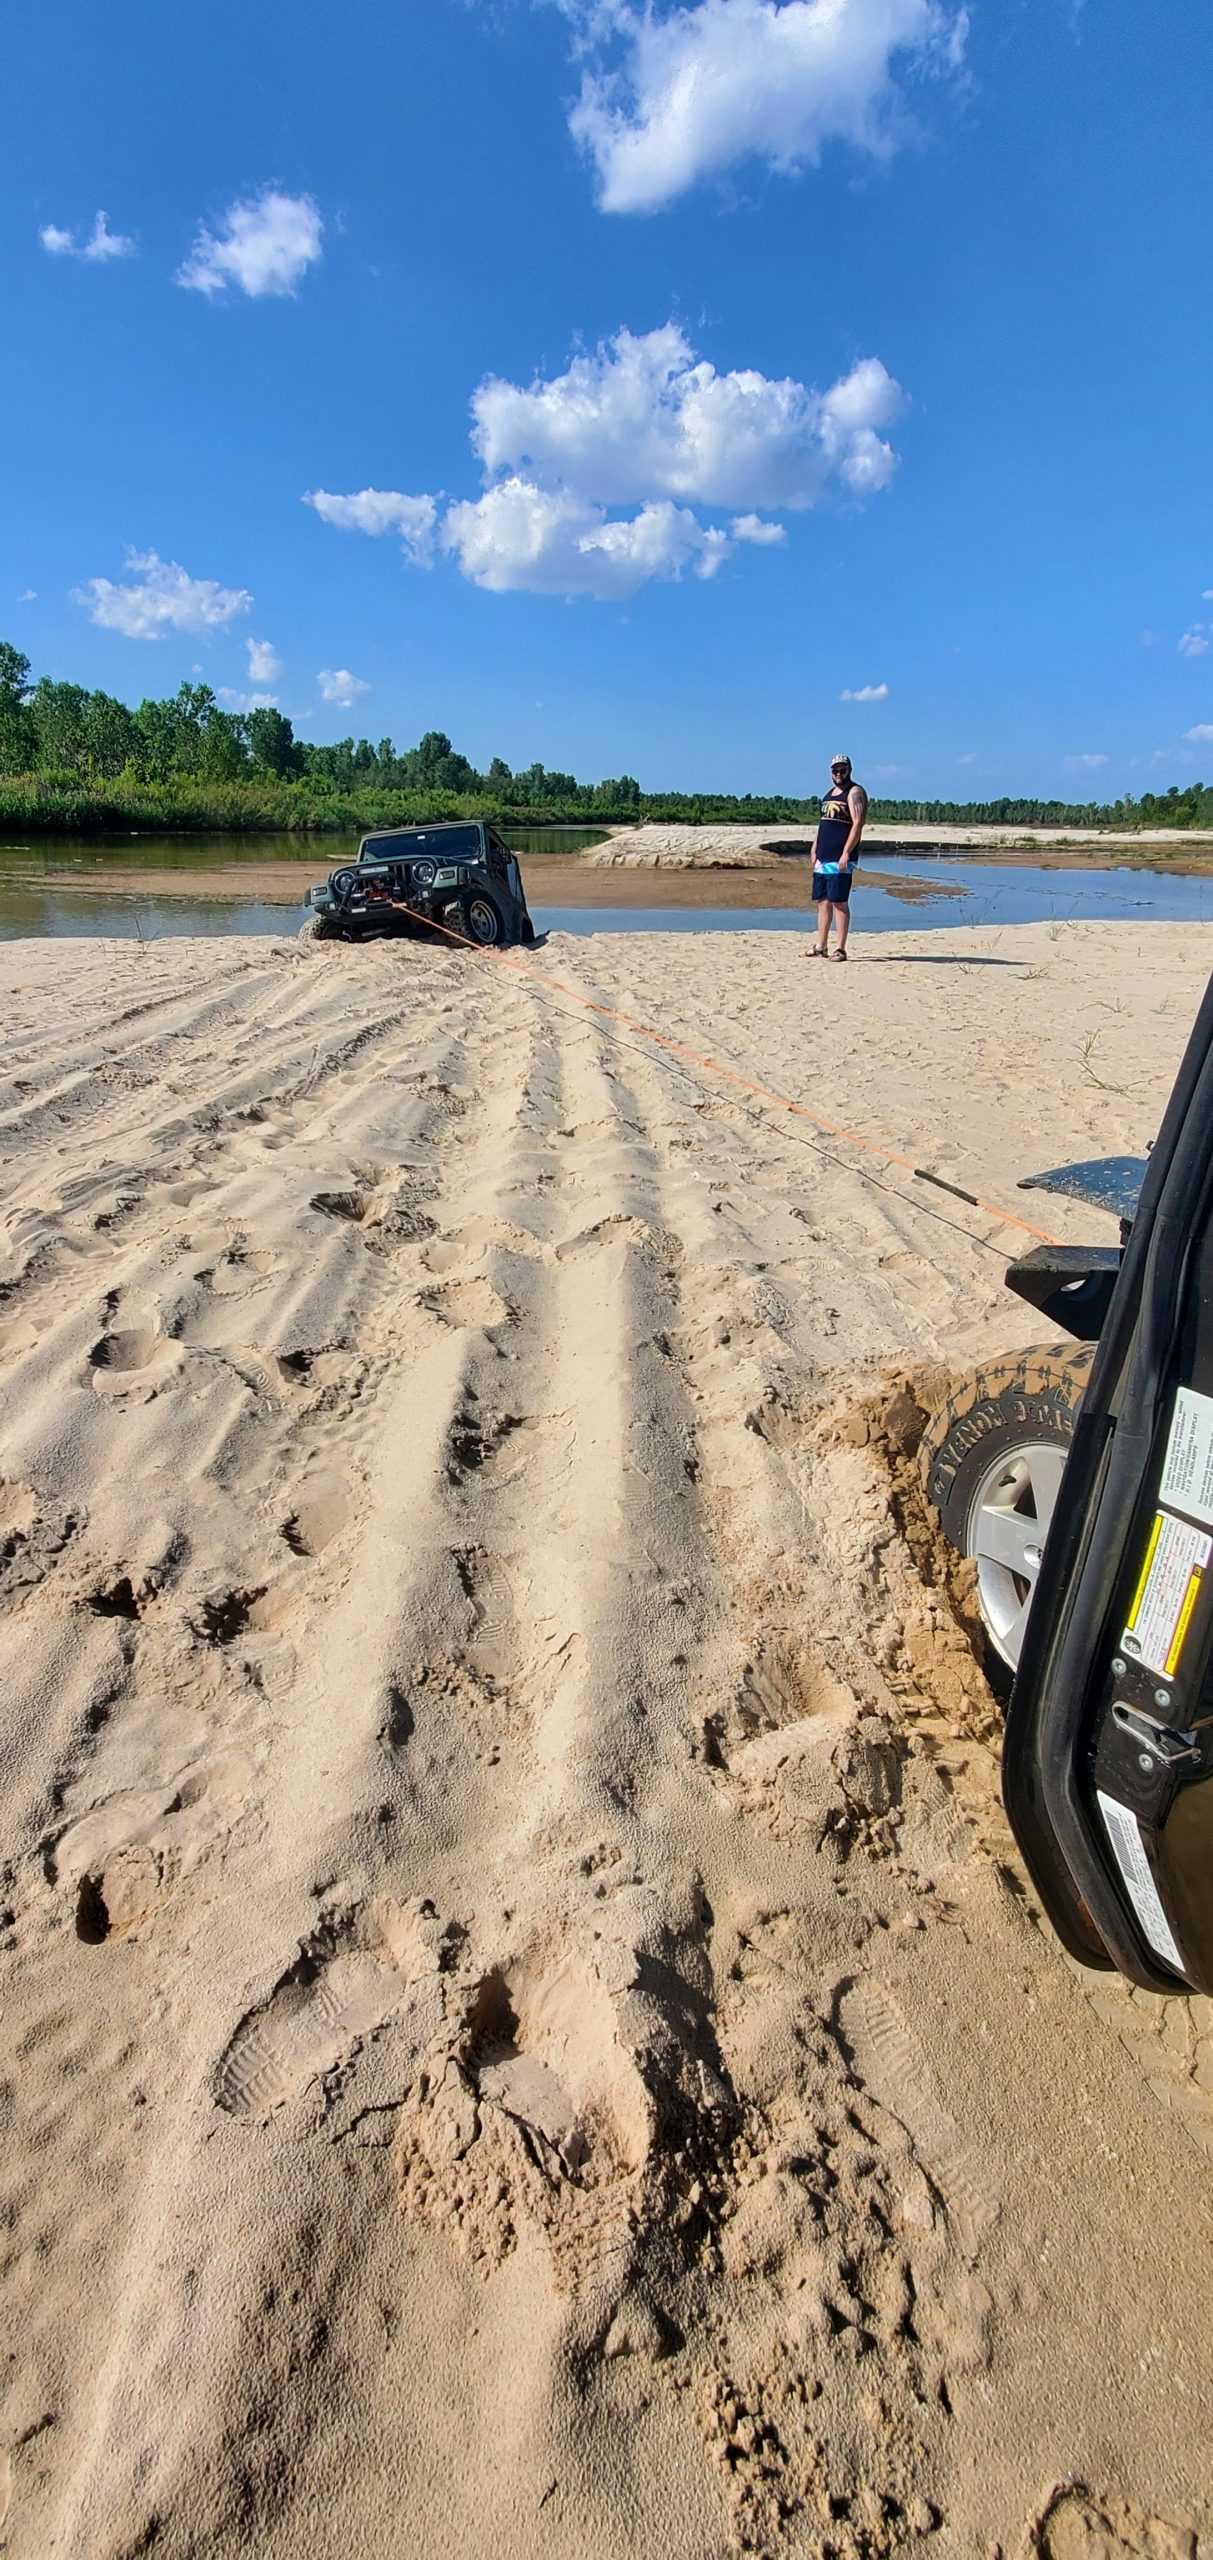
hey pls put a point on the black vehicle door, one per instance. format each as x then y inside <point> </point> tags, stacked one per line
<point>1108,1757</point>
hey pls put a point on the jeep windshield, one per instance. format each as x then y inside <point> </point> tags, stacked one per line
<point>430,844</point>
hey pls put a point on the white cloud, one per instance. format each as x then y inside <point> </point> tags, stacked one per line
<point>757,529</point>
<point>101,244</point>
<point>338,685</point>
<point>28,595</point>
<point>641,419</point>
<point>1193,642</point>
<point>264,663</point>
<point>379,511</point>
<point>865,693</point>
<point>159,597</point>
<point>971,757</point>
<point>1201,735</point>
<point>552,542</point>
<point>1083,764</point>
<point>675,94</point>
<point>1207,595</point>
<point>264,245</point>
<point>639,424</point>
<point>245,701</point>
<point>104,244</point>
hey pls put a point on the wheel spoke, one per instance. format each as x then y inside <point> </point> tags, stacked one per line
<point>1012,1636</point>
<point>1005,1537</point>
<point>1045,1467</point>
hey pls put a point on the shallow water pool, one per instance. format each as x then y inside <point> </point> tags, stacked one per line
<point>913,901</point>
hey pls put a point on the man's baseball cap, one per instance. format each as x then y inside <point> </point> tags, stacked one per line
<point>840,760</point>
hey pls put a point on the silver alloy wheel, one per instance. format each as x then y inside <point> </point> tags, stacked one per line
<point>1008,1523</point>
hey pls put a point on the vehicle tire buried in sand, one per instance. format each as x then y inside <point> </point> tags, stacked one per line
<point>992,1459</point>
<point>479,919</point>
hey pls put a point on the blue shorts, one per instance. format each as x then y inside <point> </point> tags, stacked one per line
<point>834,885</point>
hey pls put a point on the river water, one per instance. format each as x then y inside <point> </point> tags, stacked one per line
<point>45,889</point>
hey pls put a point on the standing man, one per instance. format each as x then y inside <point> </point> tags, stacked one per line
<point>835,856</point>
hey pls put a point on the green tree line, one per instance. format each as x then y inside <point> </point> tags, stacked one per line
<point>73,758</point>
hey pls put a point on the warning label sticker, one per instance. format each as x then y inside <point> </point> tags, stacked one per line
<point>1123,1832</point>
<point>1167,1591</point>
<point>1187,1476</point>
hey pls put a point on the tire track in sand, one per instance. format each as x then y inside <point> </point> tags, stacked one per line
<point>272,1853</point>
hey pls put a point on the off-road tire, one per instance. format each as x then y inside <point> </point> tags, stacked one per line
<point>1027,1401</point>
<point>481,920</point>
<point>316,929</point>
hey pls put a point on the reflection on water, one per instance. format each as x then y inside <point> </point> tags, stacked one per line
<point>1006,893</point>
<point>83,855</point>
<point>110,917</point>
<point>970,893</point>
<point>973,893</point>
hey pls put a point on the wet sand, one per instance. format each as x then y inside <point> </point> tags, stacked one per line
<point>550,881</point>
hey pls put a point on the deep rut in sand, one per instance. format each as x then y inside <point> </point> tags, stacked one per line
<point>524,2016</point>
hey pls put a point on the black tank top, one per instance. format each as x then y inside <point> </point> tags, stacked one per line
<point>835,826</point>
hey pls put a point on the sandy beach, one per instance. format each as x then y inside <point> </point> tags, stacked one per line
<point>525,2031</point>
<point>674,848</point>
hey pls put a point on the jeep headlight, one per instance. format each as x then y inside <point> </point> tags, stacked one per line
<point>423,874</point>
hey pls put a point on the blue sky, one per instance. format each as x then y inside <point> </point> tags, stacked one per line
<point>817,347</point>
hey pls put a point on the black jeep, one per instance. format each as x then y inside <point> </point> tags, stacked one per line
<point>460,876</point>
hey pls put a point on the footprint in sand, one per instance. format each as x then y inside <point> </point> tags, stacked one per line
<point>135,1358</point>
<point>240,1271</point>
<point>445,1254</point>
<point>490,1645</point>
<point>618,1229</point>
<point>535,2112</point>
<point>31,1536</point>
<point>346,1984</point>
<point>320,1514</point>
<point>224,1615</point>
<point>17,1334</point>
<point>496,1446</point>
<point>890,2062</point>
<point>468,1302</point>
<point>1077,2526</point>
<point>320,1370</point>
<point>354,1207</point>
<point>122,1858</point>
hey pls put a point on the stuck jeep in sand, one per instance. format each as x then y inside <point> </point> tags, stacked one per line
<point>460,877</point>
<point>1079,1480</point>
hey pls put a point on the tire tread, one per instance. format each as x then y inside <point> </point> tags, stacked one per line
<point>1052,1373</point>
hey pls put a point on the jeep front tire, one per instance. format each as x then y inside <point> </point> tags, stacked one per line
<point>991,1461</point>
<point>482,921</point>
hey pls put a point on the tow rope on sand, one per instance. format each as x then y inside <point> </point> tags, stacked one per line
<point>730,1075</point>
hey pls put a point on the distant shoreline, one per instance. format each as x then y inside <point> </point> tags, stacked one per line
<point>558,879</point>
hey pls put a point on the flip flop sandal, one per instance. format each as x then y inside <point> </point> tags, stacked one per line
<point>833,955</point>
<point>816,952</point>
